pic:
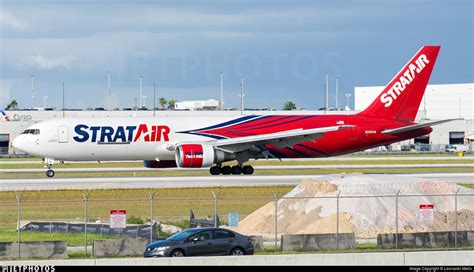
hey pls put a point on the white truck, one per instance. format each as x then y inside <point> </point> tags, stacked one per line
<point>456,148</point>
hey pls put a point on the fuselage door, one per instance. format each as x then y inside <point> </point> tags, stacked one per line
<point>62,134</point>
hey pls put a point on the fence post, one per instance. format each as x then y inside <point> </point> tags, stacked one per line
<point>215,208</point>
<point>18,200</point>
<point>337,221</point>
<point>85,196</point>
<point>275,198</point>
<point>396,220</point>
<point>456,218</point>
<point>152,196</point>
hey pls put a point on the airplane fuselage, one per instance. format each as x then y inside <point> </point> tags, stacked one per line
<point>150,138</point>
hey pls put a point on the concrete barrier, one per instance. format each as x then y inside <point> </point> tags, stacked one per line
<point>426,239</point>
<point>314,242</point>
<point>29,250</point>
<point>427,258</point>
<point>119,248</point>
<point>258,243</point>
<point>131,230</point>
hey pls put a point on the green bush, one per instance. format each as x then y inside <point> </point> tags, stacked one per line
<point>135,220</point>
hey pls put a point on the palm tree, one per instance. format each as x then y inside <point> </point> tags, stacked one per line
<point>289,105</point>
<point>162,102</point>
<point>12,105</point>
<point>171,104</point>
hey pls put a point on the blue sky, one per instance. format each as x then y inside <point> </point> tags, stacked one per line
<point>283,48</point>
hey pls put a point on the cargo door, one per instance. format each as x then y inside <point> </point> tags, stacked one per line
<point>62,134</point>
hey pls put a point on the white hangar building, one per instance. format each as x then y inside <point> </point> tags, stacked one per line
<point>441,101</point>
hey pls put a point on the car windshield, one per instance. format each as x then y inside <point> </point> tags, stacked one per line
<point>182,235</point>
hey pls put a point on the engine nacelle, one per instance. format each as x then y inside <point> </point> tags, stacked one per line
<point>160,164</point>
<point>198,155</point>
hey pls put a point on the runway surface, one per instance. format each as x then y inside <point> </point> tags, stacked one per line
<point>186,181</point>
<point>376,158</point>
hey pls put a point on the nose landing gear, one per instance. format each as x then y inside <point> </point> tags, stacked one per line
<point>50,173</point>
<point>49,163</point>
<point>234,170</point>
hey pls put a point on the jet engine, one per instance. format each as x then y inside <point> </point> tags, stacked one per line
<point>159,164</point>
<point>198,155</point>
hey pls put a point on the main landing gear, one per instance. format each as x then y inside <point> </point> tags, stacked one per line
<point>234,170</point>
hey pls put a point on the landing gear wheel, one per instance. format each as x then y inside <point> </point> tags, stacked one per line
<point>247,170</point>
<point>226,170</point>
<point>215,170</point>
<point>236,170</point>
<point>49,173</point>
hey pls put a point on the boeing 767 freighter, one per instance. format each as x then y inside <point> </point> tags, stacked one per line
<point>193,142</point>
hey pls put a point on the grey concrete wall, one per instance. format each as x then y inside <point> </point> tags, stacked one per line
<point>426,239</point>
<point>429,258</point>
<point>119,248</point>
<point>314,242</point>
<point>131,230</point>
<point>29,250</point>
<point>258,243</point>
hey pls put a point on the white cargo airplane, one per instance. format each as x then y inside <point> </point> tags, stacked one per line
<point>194,142</point>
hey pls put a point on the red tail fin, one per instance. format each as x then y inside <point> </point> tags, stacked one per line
<point>402,97</point>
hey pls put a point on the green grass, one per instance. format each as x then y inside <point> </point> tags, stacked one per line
<point>170,205</point>
<point>360,248</point>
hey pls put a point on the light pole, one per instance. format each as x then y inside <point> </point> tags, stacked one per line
<point>110,93</point>
<point>242,95</point>
<point>63,100</point>
<point>140,97</point>
<point>222,91</point>
<point>154,98</point>
<point>32,91</point>
<point>44,101</point>
<point>347,100</point>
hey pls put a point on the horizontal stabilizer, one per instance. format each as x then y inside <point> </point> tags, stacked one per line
<point>416,126</point>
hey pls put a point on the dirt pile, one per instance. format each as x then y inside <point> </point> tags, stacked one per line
<point>311,207</point>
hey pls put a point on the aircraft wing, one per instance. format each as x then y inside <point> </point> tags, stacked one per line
<point>278,139</point>
<point>416,126</point>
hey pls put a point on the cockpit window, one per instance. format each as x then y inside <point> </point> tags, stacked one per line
<point>32,131</point>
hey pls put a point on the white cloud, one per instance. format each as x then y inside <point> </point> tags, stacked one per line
<point>45,63</point>
<point>8,20</point>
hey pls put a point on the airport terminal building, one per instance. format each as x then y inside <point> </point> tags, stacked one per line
<point>440,102</point>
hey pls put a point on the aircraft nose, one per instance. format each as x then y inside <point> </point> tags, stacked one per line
<point>18,143</point>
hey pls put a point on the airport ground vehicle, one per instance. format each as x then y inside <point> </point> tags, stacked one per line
<point>166,142</point>
<point>201,242</point>
<point>456,148</point>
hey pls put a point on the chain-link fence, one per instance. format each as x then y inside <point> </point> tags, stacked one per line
<point>84,218</point>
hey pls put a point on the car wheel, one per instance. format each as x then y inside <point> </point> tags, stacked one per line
<point>237,251</point>
<point>177,253</point>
